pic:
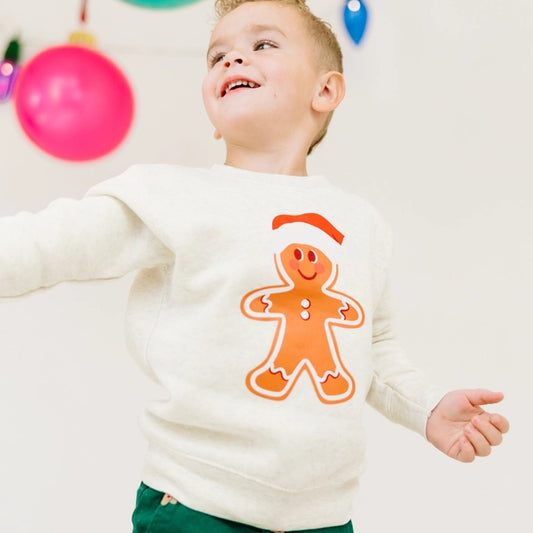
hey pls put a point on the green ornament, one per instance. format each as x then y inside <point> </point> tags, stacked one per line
<point>13,51</point>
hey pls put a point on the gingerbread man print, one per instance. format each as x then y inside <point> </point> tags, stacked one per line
<point>306,309</point>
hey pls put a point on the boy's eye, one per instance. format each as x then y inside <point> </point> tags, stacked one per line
<point>216,58</point>
<point>264,45</point>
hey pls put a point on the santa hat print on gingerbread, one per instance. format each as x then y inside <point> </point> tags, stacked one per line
<point>308,228</point>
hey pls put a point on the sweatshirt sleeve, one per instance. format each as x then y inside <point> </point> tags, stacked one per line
<point>74,240</point>
<point>399,390</point>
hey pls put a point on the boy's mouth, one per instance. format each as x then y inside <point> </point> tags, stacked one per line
<point>235,85</point>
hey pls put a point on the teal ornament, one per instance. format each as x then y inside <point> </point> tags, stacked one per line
<point>161,4</point>
<point>355,19</point>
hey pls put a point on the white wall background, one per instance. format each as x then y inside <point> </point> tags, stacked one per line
<point>436,130</point>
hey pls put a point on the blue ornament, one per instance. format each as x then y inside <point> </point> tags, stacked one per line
<point>355,17</point>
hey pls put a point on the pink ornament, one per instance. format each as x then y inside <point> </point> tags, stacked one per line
<point>73,102</point>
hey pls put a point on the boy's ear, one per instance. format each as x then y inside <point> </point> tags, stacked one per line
<point>330,92</point>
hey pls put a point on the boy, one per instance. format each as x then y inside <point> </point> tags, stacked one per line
<point>261,302</point>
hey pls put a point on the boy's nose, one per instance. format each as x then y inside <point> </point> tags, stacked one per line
<point>233,58</point>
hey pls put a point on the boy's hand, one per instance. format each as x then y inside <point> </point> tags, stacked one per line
<point>460,428</point>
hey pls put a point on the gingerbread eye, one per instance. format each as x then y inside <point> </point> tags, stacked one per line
<point>298,254</point>
<point>311,255</point>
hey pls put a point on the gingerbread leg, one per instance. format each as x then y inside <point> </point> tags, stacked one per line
<point>336,387</point>
<point>271,381</point>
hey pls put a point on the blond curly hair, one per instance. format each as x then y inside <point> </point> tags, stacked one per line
<point>327,49</point>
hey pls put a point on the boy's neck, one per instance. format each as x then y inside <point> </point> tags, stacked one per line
<point>274,162</point>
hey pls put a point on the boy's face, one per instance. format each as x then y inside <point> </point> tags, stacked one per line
<point>262,72</point>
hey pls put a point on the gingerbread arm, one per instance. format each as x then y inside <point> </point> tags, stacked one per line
<point>261,304</point>
<point>351,312</point>
<point>255,304</point>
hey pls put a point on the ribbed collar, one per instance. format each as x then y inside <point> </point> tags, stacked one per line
<point>265,178</point>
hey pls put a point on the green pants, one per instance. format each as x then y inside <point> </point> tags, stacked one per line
<point>156,512</point>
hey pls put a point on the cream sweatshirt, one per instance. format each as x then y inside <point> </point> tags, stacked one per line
<point>261,305</point>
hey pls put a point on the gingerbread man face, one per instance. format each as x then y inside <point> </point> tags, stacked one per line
<point>306,307</point>
<point>306,265</point>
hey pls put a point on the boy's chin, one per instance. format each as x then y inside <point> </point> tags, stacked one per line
<point>251,122</point>
<point>252,140</point>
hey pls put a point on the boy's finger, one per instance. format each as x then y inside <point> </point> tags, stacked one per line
<point>483,397</point>
<point>466,453</point>
<point>491,432</point>
<point>479,442</point>
<point>500,422</point>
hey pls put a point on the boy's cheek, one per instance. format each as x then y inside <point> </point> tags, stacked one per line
<point>208,88</point>
<point>206,98</point>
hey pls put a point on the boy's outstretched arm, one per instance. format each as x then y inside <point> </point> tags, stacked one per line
<point>459,427</point>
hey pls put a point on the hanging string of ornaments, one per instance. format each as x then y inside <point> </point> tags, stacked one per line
<point>355,13</point>
<point>75,103</point>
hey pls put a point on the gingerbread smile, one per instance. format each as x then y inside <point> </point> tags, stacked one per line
<point>308,278</point>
